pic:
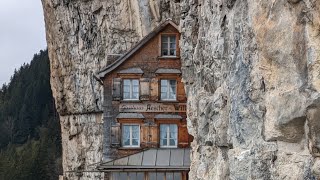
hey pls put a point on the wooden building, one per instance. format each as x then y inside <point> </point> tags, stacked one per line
<point>145,126</point>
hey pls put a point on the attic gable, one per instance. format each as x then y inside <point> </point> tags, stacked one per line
<point>101,74</point>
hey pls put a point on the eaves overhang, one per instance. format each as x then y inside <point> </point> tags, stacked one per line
<point>160,159</point>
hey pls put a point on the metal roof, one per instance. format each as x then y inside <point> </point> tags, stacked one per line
<point>101,74</point>
<point>130,115</point>
<point>131,71</point>
<point>168,71</point>
<point>167,116</point>
<point>160,159</point>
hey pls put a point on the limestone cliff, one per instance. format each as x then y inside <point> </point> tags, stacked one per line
<point>82,36</point>
<point>252,75</point>
<point>251,70</point>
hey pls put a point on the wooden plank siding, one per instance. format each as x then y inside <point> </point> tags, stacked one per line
<point>142,65</point>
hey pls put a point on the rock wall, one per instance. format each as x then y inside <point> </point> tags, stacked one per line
<point>83,36</point>
<point>252,75</point>
<point>251,70</point>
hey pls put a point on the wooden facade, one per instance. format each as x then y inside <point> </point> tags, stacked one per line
<point>139,94</point>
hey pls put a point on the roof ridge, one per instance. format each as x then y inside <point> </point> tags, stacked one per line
<point>109,68</point>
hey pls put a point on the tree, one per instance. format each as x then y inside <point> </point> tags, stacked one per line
<point>30,140</point>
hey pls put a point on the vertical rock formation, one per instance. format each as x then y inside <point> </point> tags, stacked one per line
<point>252,75</point>
<point>251,70</point>
<point>83,36</point>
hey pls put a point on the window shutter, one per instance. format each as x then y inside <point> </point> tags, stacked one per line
<point>183,136</point>
<point>115,135</point>
<point>154,89</point>
<point>144,88</point>
<point>116,90</point>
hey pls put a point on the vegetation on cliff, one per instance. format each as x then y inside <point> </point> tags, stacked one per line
<point>30,140</point>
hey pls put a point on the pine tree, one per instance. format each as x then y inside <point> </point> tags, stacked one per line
<point>30,141</point>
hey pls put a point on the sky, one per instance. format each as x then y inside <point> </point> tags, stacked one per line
<point>22,34</point>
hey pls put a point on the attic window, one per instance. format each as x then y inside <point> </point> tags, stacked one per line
<point>168,45</point>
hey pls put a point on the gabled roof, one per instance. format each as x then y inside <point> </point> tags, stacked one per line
<point>159,159</point>
<point>101,74</point>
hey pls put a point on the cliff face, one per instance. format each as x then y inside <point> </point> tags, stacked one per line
<point>253,87</point>
<point>82,36</point>
<point>251,70</point>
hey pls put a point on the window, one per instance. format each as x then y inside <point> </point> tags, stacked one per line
<point>168,45</point>
<point>130,135</point>
<point>130,89</point>
<point>168,135</point>
<point>168,89</point>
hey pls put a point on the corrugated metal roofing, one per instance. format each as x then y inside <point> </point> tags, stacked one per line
<point>174,159</point>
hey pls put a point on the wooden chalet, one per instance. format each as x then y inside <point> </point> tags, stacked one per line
<point>145,128</point>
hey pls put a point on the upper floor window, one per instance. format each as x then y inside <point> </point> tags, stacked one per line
<point>168,45</point>
<point>168,89</point>
<point>130,89</point>
<point>168,135</point>
<point>130,135</point>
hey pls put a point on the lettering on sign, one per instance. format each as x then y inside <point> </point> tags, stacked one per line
<point>152,107</point>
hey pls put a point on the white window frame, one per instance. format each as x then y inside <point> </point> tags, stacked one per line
<point>167,98</point>
<point>130,136</point>
<point>131,89</point>
<point>168,136</point>
<point>168,36</point>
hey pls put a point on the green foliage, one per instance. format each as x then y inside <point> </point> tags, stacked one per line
<point>30,142</point>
